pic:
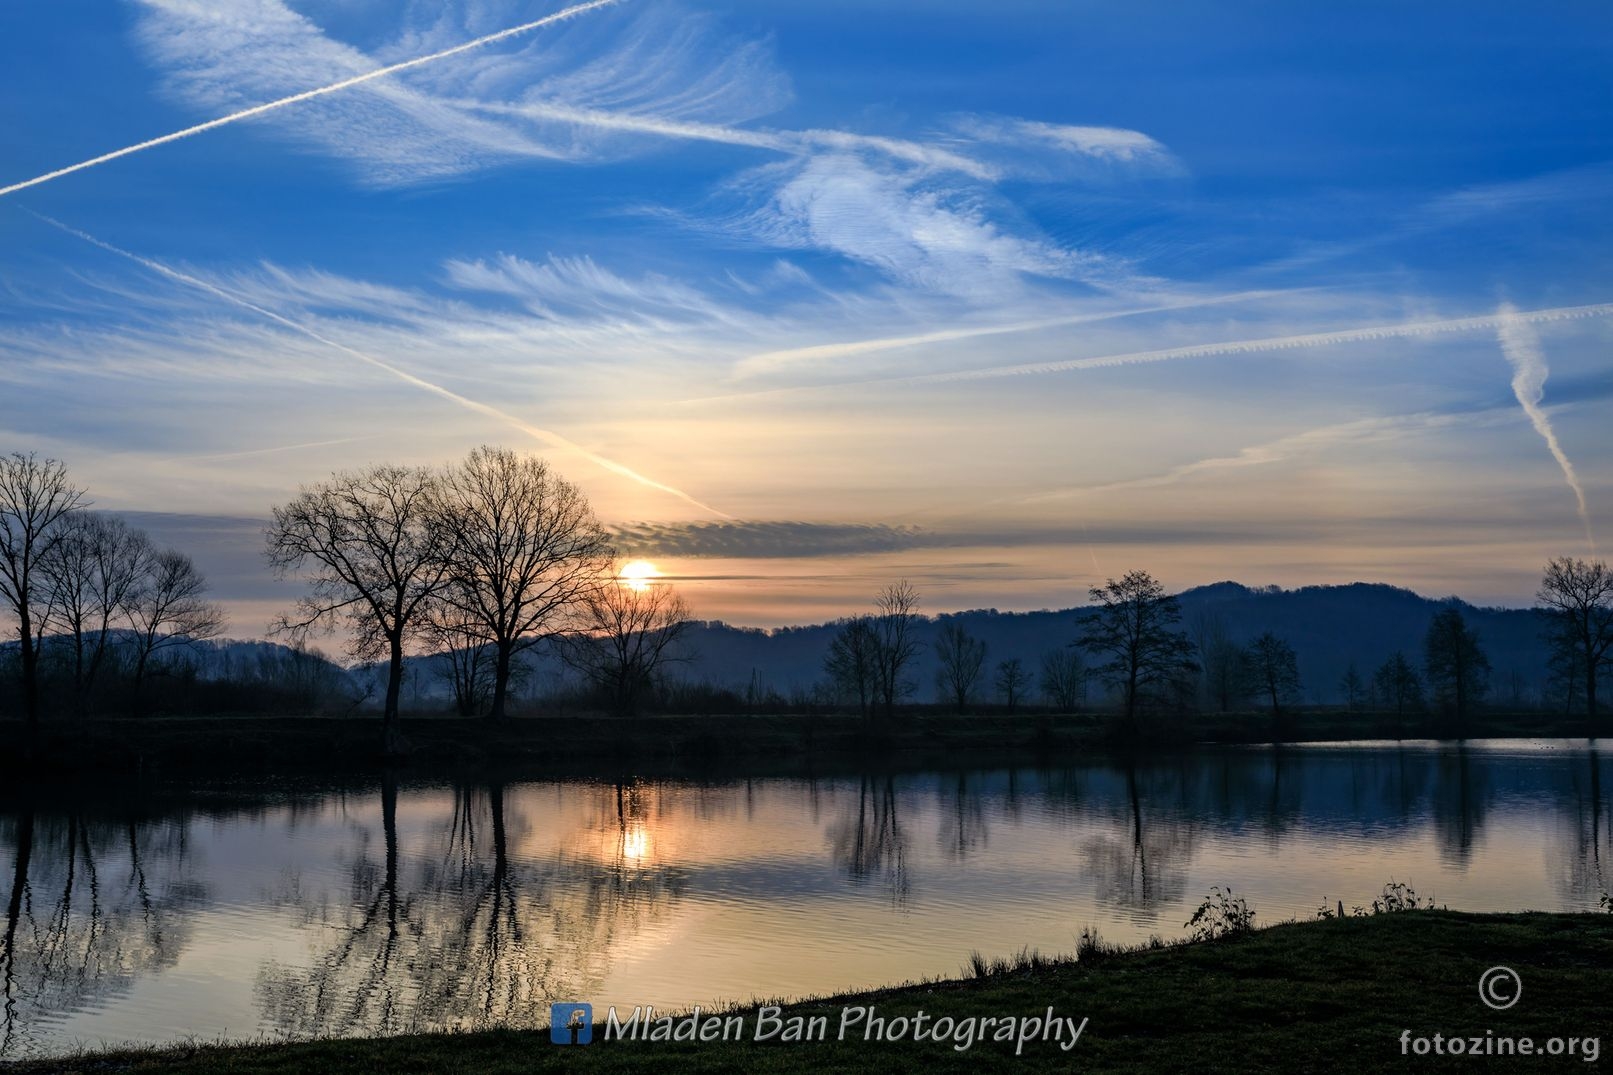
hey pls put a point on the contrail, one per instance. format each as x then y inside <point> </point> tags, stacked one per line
<point>780,141</point>
<point>306,95</point>
<point>1522,348</point>
<point>760,363</point>
<point>476,406</point>
<point>1206,350</point>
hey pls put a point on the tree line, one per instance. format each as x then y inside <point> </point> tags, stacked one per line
<point>1133,644</point>
<point>481,560</point>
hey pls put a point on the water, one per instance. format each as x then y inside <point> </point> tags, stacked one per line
<point>294,910</point>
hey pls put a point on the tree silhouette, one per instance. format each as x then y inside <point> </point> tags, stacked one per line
<point>1576,597</point>
<point>527,549</point>
<point>1133,629</point>
<point>961,656</point>
<point>93,571</point>
<point>1457,668</point>
<point>1273,670</point>
<point>1063,678</point>
<point>1011,681</point>
<point>1396,685</point>
<point>629,632</point>
<point>372,553</point>
<point>166,608</point>
<point>850,662</point>
<point>896,644</point>
<point>36,498</point>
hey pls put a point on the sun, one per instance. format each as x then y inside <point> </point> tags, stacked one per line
<point>637,574</point>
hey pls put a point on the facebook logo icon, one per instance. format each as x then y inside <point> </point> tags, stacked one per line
<point>571,1024</point>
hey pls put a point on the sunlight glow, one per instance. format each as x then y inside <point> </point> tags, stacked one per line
<point>638,574</point>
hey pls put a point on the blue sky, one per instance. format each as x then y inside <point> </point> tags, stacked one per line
<point>851,283</point>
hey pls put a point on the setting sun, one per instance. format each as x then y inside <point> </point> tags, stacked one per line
<point>637,574</point>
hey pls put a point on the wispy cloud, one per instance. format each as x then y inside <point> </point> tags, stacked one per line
<point>279,14</point>
<point>1403,330</point>
<point>476,406</point>
<point>1522,347</point>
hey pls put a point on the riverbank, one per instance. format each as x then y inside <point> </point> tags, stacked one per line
<point>1313,996</point>
<point>591,744</point>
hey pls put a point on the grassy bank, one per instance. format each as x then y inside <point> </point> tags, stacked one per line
<point>592,744</point>
<point>1315,996</point>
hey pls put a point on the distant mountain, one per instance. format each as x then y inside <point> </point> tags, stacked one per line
<point>1329,627</point>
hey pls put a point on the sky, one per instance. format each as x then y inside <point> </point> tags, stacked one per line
<point>808,297</point>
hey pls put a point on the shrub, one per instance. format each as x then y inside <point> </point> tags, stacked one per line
<point>1221,914</point>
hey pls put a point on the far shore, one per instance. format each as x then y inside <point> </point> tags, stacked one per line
<point>592,744</point>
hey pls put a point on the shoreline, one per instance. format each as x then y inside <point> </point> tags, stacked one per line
<point>1313,995</point>
<point>594,745</point>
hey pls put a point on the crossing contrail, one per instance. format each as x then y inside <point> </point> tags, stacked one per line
<point>307,95</point>
<point>1405,329</point>
<point>1522,348</point>
<point>466,402</point>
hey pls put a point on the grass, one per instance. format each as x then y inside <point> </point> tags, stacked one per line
<point>1329,995</point>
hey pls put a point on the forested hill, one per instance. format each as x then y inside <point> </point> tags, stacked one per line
<point>1329,627</point>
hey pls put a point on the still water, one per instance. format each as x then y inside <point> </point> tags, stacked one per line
<point>296,910</point>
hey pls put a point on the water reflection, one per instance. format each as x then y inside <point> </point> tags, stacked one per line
<point>302,911</point>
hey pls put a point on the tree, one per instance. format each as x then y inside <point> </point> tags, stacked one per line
<point>1011,681</point>
<point>1273,670</point>
<point>1576,598</point>
<point>372,553</point>
<point>628,633</point>
<point>1063,679</point>
<point>1457,668</point>
<point>851,662</point>
<point>1397,685</point>
<point>463,659</point>
<point>1353,688</point>
<point>166,607</point>
<point>92,572</point>
<point>962,656</point>
<point>1132,629</point>
<point>895,643</point>
<point>36,498</point>
<point>527,548</point>
<point>1225,684</point>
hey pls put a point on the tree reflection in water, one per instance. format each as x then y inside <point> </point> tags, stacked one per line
<point>868,841</point>
<point>473,933</point>
<point>84,920</point>
<point>1147,867</point>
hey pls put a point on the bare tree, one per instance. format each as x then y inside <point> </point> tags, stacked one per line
<point>629,633</point>
<point>1063,679</point>
<point>1221,660</point>
<point>962,656</point>
<point>1576,597</point>
<point>372,553</point>
<point>851,661</point>
<point>463,658</point>
<point>1133,627</point>
<point>895,643</point>
<point>92,572</point>
<point>36,497</point>
<point>1457,668</point>
<point>1353,688</point>
<point>1273,670</point>
<point>527,550</point>
<point>1396,684</point>
<point>166,608</point>
<point>1011,681</point>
